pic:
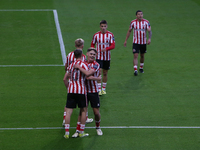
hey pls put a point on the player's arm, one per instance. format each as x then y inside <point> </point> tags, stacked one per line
<point>66,78</point>
<point>92,45</point>
<point>150,34</point>
<point>66,65</point>
<point>93,42</point>
<point>86,72</point>
<point>127,36</point>
<point>94,78</point>
<point>112,46</point>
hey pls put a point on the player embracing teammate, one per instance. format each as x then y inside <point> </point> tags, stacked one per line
<point>80,91</point>
<point>83,78</point>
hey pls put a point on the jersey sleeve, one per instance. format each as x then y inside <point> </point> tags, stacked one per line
<point>93,41</point>
<point>131,25</point>
<point>112,43</point>
<point>84,66</point>
<point>148,25</point>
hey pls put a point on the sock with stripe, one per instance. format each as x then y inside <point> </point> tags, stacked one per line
<point>104,86</point>
<point>67,128</point>
<point>99,86</point>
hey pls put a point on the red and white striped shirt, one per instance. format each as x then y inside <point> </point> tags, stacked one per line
<point>92,85</point>
<point>140,28</point>
<point>77,78</point>
<point>103,40</point>
<point>71,58</point>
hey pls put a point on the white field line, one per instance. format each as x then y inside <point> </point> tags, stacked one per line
<point>29,65</point>
<point>108,127</point>
<point>26,9</point>
<point>62,47</point>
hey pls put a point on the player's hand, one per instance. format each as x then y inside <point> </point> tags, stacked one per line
<point>125,44</point>
<point>99,78</point>
<point>149,41</point>
<point>76,66</point>
<point>103,50</point>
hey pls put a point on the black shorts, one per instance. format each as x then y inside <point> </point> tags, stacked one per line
<point>74,99</point>
<point>139,48</point>
<point>104,64</point>
<point>93,98</point>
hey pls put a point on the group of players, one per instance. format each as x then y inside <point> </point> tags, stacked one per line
<point>83,75</point>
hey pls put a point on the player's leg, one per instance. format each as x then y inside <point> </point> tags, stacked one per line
<point>83,120</point>
<point>141,62</point>
<point>95,104</point>
<point>78,124</point>
<point>88,120</point>
<point>99,82</point>
<point>105,79</point>
<point>106,67</point>
<point>70,105</point>
<point>97,120</point>
<point>135,63</point>
<point>142,52</point>
<point>135,58</point>
<point>67,121</point>
<point>64,114</point>
<point>82,104</point>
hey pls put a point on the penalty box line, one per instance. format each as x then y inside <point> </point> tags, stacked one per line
<point>108,127</point>
<point>26,9</point>
<point>29,65</point>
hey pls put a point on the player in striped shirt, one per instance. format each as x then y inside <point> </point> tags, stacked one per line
<point>104,41</point>
<point>79,44</point>
<point>76,92</point>
<point>139,26</point>
<point>92,89</point>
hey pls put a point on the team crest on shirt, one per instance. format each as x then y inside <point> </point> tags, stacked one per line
<point>95,66</point>
<point>149,24</point>
<point>113,38</point>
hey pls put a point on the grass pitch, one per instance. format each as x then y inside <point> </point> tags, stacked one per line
<point>166,95</point>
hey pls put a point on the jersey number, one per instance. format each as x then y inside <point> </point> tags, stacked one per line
<point>75,75</point>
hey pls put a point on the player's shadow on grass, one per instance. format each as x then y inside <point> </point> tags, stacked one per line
<point>60,142</point>
<point>132,83</point>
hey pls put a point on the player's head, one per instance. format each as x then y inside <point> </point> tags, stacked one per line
<point>91,54</point>
<point>139,15</point>
<point>103,22</point>
<point>79,43</point>
<point>103,26</point>
<point>78,53</point>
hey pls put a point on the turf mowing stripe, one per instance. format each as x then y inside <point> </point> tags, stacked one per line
<point>109,127</point>
<point>29,65</point>
<point>62,47</point>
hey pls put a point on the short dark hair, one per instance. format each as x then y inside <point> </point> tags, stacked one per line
<point>78,53</point>
<point>92,49</point>
<point>103,22</point>
<point>137,11</point>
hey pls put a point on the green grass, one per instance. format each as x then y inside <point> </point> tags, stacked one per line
<point>167,94</point>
